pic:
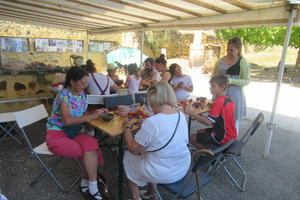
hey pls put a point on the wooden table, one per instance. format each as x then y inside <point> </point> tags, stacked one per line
<point>115,128</point>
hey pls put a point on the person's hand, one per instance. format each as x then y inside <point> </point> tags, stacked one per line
<point>181,85</point>
<point>188,109</point>
<point>96,113</point>
<point>104,110</point>
<point>127,124</point>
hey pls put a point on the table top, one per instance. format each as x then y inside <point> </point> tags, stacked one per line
<point>115,126</point>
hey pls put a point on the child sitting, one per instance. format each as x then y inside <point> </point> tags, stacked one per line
<point>133,79</point>
<point>221,117</point>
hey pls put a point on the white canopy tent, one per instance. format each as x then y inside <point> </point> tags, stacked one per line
<point>108,16</point>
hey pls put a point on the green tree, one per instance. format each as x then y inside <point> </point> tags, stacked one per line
<point>268,37</point>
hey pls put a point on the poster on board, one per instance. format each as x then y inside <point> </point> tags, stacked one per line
<point>57,45</point>
<point>13,44</point>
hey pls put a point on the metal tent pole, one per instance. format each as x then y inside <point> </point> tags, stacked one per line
<point>142,47</point>
<point>271,124</point>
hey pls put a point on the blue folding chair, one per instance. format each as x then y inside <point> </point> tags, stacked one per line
<point>140,97</point>
<point>111,102</point>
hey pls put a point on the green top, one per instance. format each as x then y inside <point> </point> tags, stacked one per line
<point>244,77</point>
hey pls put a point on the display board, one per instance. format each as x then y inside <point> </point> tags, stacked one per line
<point>98,46</point>
<point>14,44</point>
<point>58,45</point>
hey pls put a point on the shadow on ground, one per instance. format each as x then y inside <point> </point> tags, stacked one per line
<point>274,178</point>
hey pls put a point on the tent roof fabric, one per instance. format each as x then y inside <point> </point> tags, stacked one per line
<point>106,16</point>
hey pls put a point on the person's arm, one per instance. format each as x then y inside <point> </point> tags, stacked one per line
<point>132,145</point>
<point>244,78</point>
<point>166,77</point>
<point>204,120</point>
<point>216,67</point>
<point>127,81</point>
<point>71,120</point>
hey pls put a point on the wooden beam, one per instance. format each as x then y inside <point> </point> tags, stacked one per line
<point>112,10</point>
<point>144,8</point>
<point>62,17</point>
<point>63,4</point>
<point>239,4</point>
<point>207,6</point>
<point>30,14</point>
<point>44,23</point>
<point>272,16</point>
<point>171,6</point>
<point>64,11</point>
<point>34,16</point>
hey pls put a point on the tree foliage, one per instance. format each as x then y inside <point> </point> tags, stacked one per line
<point>268,36</point>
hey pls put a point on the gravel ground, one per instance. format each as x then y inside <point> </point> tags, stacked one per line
<point>274,178</point>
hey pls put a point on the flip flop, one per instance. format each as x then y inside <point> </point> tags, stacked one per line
<point>144,196</point>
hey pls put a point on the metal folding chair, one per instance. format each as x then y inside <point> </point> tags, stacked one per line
<point>140,97</point>
<point>7,126</point>
<point>235,150</point>
<point>194,179</point>
<point>98,99</point>
<point>30,116</point>
<point>111,102</point>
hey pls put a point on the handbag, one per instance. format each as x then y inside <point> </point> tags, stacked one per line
<point>170,138</point>
<point>73,130</point>
<point>104,190</point>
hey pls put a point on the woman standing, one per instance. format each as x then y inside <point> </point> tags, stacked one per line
<point>161,66</point>
<point>64,129</point>
<point>236,68</point>
<point>158,153</point>
<point>181,83</point>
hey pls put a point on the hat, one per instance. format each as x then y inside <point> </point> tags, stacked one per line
<point>111,66</point>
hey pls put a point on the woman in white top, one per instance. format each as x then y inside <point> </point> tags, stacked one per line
<point>98,83</point>
<point>181,83</point>
<point>166,135</point>
<point>133,79</point>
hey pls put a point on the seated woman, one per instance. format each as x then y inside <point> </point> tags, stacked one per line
<point>111,73</point>
<point>158,153</point>
<point>149,74</point>
<point>64,136</point>
<point>181,83</point>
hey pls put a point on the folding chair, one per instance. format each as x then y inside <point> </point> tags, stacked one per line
<point>98,99</point>
<point>30,116</point>
<point>235,150</point>
<point>8,125</point>
<point>140,97</point>
<point>186,186</point>
<point>111,102</point>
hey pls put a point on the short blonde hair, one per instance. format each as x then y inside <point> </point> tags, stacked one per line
<point>161,94</point>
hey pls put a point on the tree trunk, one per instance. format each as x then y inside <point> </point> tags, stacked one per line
<point>297,65</point>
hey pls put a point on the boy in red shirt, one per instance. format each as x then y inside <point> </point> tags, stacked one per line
<point>221,117</point>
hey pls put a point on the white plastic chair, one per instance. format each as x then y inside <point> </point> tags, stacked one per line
<point>98,99</point>
<point>7,125</point>
<point>30,116</point>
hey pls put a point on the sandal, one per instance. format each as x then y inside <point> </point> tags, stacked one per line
<point>145,196</point>
<point>93,196</point>
<point>86,194</point>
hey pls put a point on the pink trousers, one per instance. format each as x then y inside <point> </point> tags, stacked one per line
<point>60,144</point>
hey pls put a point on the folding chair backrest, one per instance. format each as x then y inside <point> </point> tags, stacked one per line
<point>97,99</point>
<point>110,102</point>
<point>30,116</point>
<point>254,126</point>
<point>140,97</point>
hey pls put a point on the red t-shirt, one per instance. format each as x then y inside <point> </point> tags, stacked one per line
<point>222,117</point>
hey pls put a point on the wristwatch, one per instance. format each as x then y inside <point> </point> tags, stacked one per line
<point>128,126</point>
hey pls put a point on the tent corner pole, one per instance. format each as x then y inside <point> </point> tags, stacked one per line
<point>279,80</point>
<point>142,46</point>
